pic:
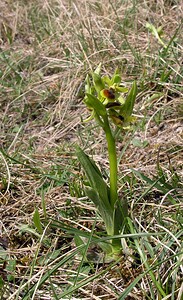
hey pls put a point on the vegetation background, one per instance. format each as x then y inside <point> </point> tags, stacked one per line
<point>46,50</point>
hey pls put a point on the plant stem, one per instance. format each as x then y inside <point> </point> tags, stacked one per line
<point>116,243</point>
<point>112,162</point>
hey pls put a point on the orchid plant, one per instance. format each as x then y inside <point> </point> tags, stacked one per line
<point>106,101</point>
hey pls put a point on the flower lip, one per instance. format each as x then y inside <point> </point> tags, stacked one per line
<point>112,104</point>
<point>109,93</point>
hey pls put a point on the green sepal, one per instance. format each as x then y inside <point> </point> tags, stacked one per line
<point>107,80</point>
<point>116,78</point>
<point>94,103</point>
<point>121,100</point>
<point>98,82</point>
<point>121,89</point>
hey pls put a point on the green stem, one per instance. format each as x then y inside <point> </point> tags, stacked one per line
<point>112,162</point>
<point>116,243</point>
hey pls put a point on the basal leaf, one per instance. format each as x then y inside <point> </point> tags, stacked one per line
<point>103,207</point>
<point>94,176</point>
<point>120,214</point>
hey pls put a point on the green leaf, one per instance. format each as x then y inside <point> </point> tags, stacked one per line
<point>98,191</point>
<point>127,108</point>
<point>94,175</point>
<point>47,258</point>
<point>94,103</point>
<point>120,215</point>
<point>66,259</point>
<point>103,207</point>
<point>37,221</point>
<point>95,166</point>
<point>130,287</point>
<point>11,266</point>
<point>106,247</point>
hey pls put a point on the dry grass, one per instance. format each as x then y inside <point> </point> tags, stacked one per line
<point>46,50</point>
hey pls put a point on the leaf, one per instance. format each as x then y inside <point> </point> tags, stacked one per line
<point>37,221</point>
<point>130,287</point>
<point>120,215</point>
<point>106,247</point>
<point>94,175</point>
<point>127,108</point>
<point>66,259</point>
<point>47,258</point>
<point>95,167</point>
<point>104,209</point>
<point>98,191</point>
<point>94,103</point>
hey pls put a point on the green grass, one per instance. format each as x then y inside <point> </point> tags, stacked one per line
<point>50,231</point>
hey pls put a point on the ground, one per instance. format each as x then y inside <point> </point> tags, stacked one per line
<point>46,50</point>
